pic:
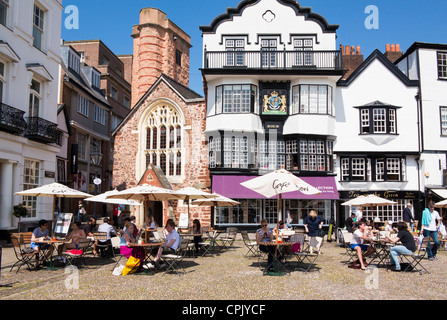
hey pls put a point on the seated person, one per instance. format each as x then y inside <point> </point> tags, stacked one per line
<point>264,234</point>
<point>41,232</point>
<point>107,228</point>
<point>170,246</point>
<point>128,238</point>
<point>196,230</point>
<point>408,246</point>
<point>357,242</point>
<point>74,237</point>
<point>349,223</point>
<point>281,226</point>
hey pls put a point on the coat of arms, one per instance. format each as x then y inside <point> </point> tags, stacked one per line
<point>275,103</point>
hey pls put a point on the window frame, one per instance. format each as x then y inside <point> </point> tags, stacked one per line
<point>442,68</point>
<point>376,168</point>
<point>40,14</point>
<point>246,103</point>
<point>388,120</point>
<point>443,123</point>
<point>304,92</point>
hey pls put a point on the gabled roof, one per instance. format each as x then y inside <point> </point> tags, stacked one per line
<point>186,94</point>
<point>304,11</point>
<point>377,55</point>
<point>79,80</point>
<point>377,103</point>
<point>421,45</point>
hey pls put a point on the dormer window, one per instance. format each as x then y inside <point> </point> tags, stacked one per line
<point>96,79</point>
<point>378,118</point>
<point>74,61</point>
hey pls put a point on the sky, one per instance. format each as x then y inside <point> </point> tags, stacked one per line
<point>400,22</point>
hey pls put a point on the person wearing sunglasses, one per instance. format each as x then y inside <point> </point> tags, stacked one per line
<point>264,234</point>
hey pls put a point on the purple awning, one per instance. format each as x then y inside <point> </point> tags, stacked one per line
<point>230,186</point>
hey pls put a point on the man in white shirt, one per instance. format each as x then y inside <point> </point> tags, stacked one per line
<point>107,228</point>
<point>170,246</point>
<point>357,243</point>
<point>359,214</point>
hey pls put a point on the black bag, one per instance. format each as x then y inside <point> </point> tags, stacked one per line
<point>321,233</point>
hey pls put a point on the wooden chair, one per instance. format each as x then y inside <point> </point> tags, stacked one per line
<point>103,245</point>
<point>24,253</point>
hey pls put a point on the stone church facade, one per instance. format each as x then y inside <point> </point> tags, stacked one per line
<point>162,140</point>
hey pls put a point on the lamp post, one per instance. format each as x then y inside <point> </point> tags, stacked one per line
<point>96,158</point>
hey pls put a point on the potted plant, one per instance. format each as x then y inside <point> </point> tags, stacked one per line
<point>20,211</point>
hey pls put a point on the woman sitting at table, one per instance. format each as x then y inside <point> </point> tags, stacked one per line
<point>264,234</point>
<point>408,246</point>
<point>41,232</point>
<point>126,239</point>
<point>197,231</point>
<point>74,237</point>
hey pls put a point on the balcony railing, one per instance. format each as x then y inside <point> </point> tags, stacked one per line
<point>41,130</point>
<point>274,60</point>
<point>11,119</point>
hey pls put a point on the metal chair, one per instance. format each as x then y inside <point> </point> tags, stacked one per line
<point>104,245</point>
<point>173,260</point>
<point>416,259</point>
<point>228,239</point>
<point>251,245</point>
<point>305,259</point>
<point>77,254</point>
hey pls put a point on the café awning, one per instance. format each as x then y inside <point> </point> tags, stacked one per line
<point>230,186</point>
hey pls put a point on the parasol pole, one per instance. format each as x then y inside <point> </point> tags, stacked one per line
<point>52,219</point>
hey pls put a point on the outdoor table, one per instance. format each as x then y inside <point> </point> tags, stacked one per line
<point>382,247</point>
<point>212,236</point>
<point>53,243</point>
<point>147,246</point>
<point>280,247</point>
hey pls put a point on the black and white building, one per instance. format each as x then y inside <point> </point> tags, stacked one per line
<point>279,96</point>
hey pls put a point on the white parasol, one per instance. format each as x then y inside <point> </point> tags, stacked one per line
<point>369,200</point>
<point>217,201</point>
<point>441,204</point>
<point>277,183</point>
<point>55,190</point>
<point>193,193</point>
<point>103,197</point>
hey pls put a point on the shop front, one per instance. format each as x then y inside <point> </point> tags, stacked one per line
<point>382,214</point>
<point>255,207</point>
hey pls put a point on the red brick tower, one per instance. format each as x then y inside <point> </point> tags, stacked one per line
<point>158,42</point>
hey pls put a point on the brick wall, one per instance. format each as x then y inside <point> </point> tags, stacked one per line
<point>194,149</point>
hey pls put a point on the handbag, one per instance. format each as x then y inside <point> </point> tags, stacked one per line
<point>131,266</point>
<point>296,247</point>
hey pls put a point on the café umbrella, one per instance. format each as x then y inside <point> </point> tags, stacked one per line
<point>145,193</point>
<point>194,193</point>
<point>369,200</point>
<point>55,190</point>
<point>278,182</point>
<point>441,204</point>
<point>103,197</point>
<point>217,201</point>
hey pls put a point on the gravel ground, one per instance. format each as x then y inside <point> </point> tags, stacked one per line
<point>229,276</point>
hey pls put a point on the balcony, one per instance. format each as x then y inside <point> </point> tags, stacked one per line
<point>11,119</point>
<point>311,62</point>
<point>41,130</point>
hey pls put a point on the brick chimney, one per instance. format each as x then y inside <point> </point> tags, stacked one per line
<point>159,46</point>
<point>352,58</point>
<point>392,52</point>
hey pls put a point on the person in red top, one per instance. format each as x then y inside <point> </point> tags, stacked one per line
<point>116,214</point>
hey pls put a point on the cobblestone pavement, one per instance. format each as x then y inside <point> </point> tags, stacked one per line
<point>229,276</point>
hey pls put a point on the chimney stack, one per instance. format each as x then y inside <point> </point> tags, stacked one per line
<point>352,59</point>
<point>392,52</point>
